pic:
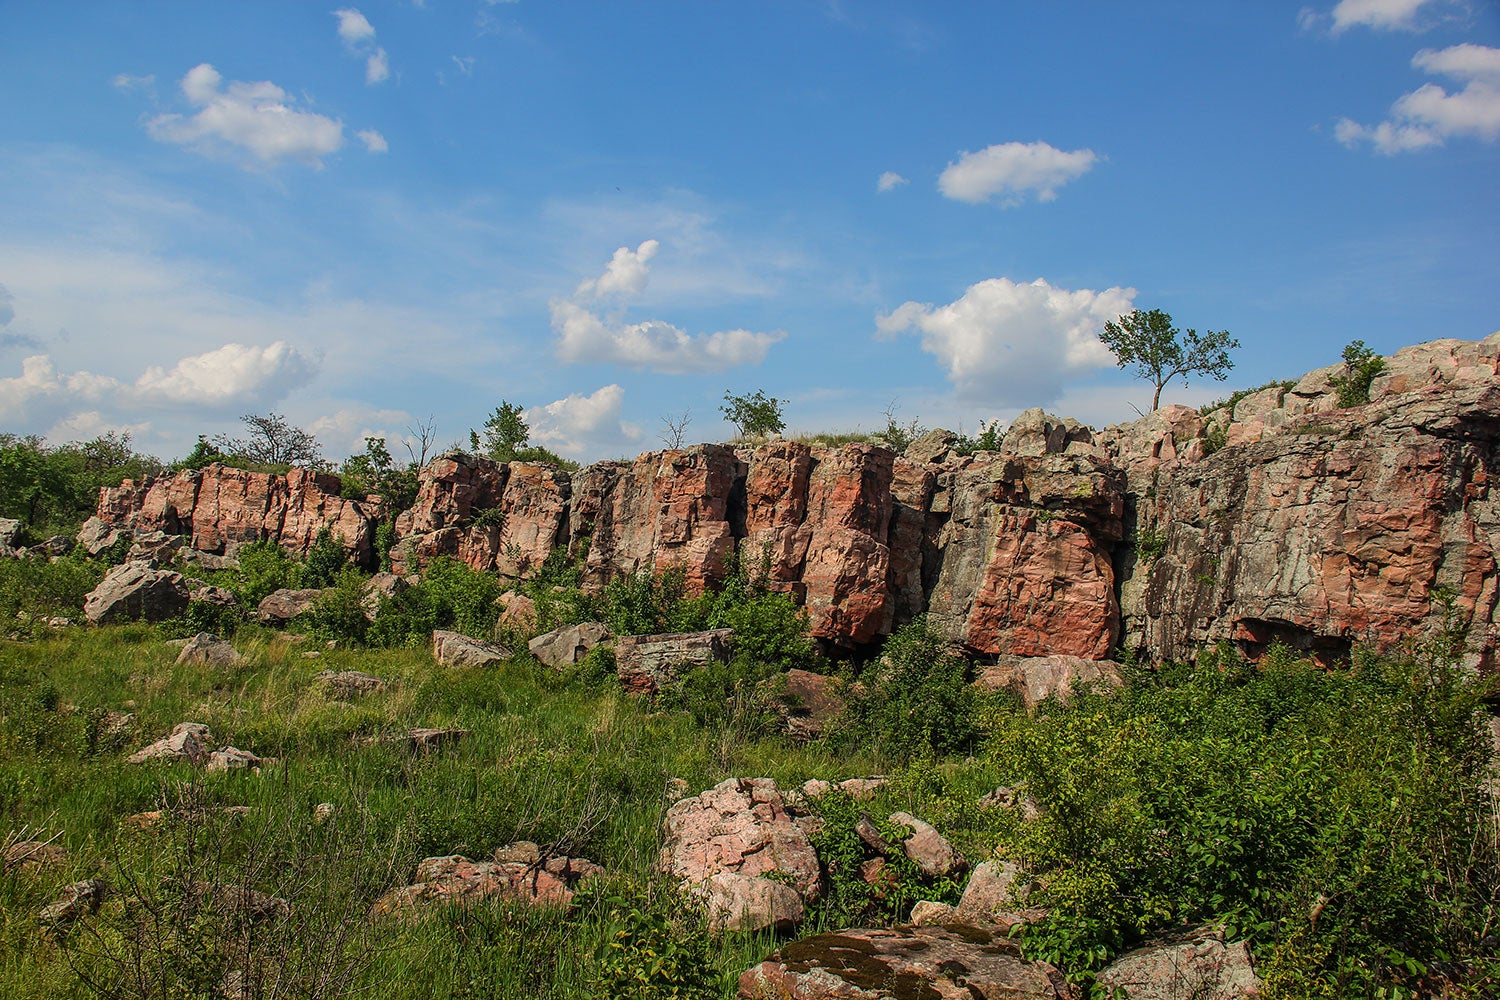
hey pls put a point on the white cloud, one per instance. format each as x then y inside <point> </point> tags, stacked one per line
<point>377,67</point>
<point>1388,15</point>
<point>257,118</point>
<point>1012,170</point>
<point>354,27</point>
<point>465,64</point>
<point>1430,115</point>
<point>90,424</point>
<point>890,181</point>
<point>586,337</point>
<point>1004,343</point>
<point>124,81</point>
<point>626,273</point>
<point>373,140</point>
<point>231,374</point>
<point>583,425</point>
<point>343,432</point>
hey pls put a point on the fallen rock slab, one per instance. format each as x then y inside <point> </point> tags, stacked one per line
<point>565,646</point>
<point>349,683</point>
<point>283,605</point>
<point>454,650</point>
<point>647,663</point>
<point>433,740</point>
<point>1037,678</point>
<point>931,963</point>
<point>736,902</point>
<point>456,879</point>
<point>1197,963</point>
<point>136,592</point>
<point>189,741</point>
<point>234,759</point>
<point>77,900</point>
<point>209,650</point>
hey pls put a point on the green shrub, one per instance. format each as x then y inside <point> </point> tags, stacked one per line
<point>339,612</point>
<point>326,558</point>
<point>264,569</point>
<point>655,945</point>
<point>1361,365</point>
<point>34,590</point>
<point>648,603</point>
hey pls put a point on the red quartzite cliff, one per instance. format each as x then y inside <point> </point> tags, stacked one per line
<point>1287,519</point>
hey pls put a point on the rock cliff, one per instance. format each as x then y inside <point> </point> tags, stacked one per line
<point>1283,519</point>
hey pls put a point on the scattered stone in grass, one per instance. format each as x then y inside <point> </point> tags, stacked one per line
<point>323,812</point>
<point>927,913</point>
<point>234,759</point>
<point>188,741</point>
<point>236,902</point>
<point>567,645</point>
<point>312,654</point>
<point>456,879</point>
<point>646,663</point>
<point>77,900</point>
<point>209,650</point>
<point>433,740</point>
<point>1194,963</point>
<point>929,850</point>
<point>29,855</point>
<point>454,650</point>
<point>349,683</point>
<point>283,605</point>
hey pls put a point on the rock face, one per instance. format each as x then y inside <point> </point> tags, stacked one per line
<point>1283,519</point>
<point>725,842</point>
<point>928,962</point>
<point>135,591</point>
<point>219,507</point>
<point>1037,678</point>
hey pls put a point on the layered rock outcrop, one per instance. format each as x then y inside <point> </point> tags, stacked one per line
<point>1284,519</point>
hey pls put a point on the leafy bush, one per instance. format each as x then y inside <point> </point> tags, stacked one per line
<point>450,595</point>
<point>1333,818</point>
<point>648,603</point>
<point>326,557</point>
<point>265,568</point>
<point>917,699</point>
<point>654,946</point>
<point>988,438</point>
<point>34,590</point>
<point>339,613</point>
<point>1361,365</point>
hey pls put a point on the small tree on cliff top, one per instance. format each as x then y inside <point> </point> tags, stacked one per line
<point>1148,342</point>
<point>753,414</point>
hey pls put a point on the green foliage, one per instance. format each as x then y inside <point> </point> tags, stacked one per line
<point>851,901</point>
<point>54,490</point>
<point>1333,818</point>
<point>1229,402</point>
<point>264,569</point>
<point>753,414</point>
<point>647,604</point>
<point>505,432</point>
<point>655,947</point>
<point>326,557</point>
<point>916,701</point>
<point>1361,365</point>
<point>339,613</point>
<point>1159,352</point>
<point>375,472</point>
<point>34,590</point>
<point>450,595</point>
<point>204,453</point>
<point>1150,543</point>
<point>988,438</point>
<point>898,436</point>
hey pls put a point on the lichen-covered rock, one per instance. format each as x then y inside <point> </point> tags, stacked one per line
<point>646,663</point>
<point>77,900</point>
<point>741,826</point>
<point>209,650</point>
<point>281,606</point>
<point>456,879</point>
<point>134,592</point>
<point>1037,678</point>
<point>453,649</point>
<point>30,855</point>
<point>568,644</point>
<point>1195,963</point>
<point>189,741</point>
<point>349,683</point>
<point>738,902</point>
<point>941,963</point>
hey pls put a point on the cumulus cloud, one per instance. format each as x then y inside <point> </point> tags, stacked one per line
<point>232,375</point>
<point>1431,115</point>
<point>1004,343</point>
<point>258,118</point>
<point>358,36</point>
<point>373,140</point>
<point>1012,171</point>
<point>124,81</point>
<point>583,425</point>
<point>1388,15</point>
<point>890,181</point>
<point>586,336</point>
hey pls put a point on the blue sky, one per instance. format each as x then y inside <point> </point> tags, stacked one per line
<point>373,215</point>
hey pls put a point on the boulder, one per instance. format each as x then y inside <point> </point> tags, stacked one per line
<point>77,900</point>
<point>809,702</point>
<point>903,962</point>
<point>155,547</point>
<point>280,607</point>
<point>349,683</point>
<point>737,902</point>
<point>206,593</point>
<point>10,530</point>
<point>452,649</point>
<point>647,663</point>
<point>517,614</point>
<point>381,587</point>
<point>135,591</point>
<point>26,855</point>
<point>932,447</point>
<point>568,644</point>
<point>189,741</point>
<point>928,913</point>
<point>456,879</point>
<point>1036,678</point>
<point>209,650</point>
<point>929,850</point>
<point>741,827</point>
<point>55,546</point>
<point>234,759</point>
<point>996,894</point>
<point>1194,963</point>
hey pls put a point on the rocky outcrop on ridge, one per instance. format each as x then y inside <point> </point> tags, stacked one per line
<point>1284,519</point>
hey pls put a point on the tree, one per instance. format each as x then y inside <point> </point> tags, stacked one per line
<point>506,433</point>
<point>424,433</point>
<point>1361,365</point>
<point>674,428</point>
<point>272,441</point>
<point>753,414</point>
<point>1160,352</point>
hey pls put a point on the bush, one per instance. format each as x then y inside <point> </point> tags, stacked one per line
<point>655,945</point>
<point>264,569</point>
<point>34,590</point>
<point>1361,365</point>
<point>917,699</point>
